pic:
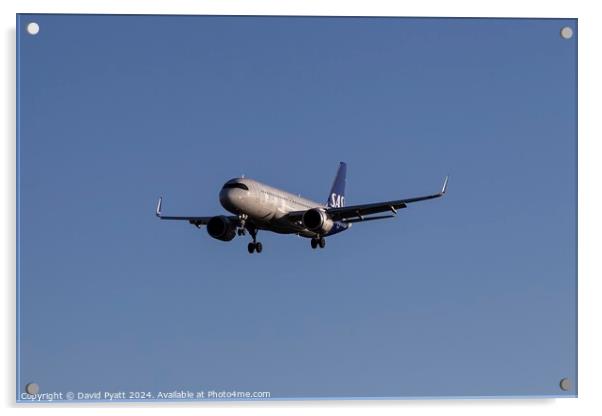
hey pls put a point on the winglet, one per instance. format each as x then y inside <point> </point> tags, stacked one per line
<point>444,189</point>
<point>158,211</point>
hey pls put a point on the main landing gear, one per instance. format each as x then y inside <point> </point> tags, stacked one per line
<point>320,241</point>
<point>254,246</point>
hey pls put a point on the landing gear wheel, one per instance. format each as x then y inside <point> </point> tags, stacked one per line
<point>314,243</point>
<point>254,245</point>
<point>322,242</point>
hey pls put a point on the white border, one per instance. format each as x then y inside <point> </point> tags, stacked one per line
<point>590,209</point>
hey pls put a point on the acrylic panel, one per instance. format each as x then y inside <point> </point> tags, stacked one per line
<point>422,290</point>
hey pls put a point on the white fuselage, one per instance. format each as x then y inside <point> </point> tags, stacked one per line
<point>264,204</point>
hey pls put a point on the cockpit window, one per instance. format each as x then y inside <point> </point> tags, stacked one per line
<point>236,185</point>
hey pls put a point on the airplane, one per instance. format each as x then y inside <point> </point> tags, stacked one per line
<point>257,206</point>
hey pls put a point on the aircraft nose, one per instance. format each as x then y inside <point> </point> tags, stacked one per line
<point>231,199</point>
<point>233,195</point>
<point>226,198</point>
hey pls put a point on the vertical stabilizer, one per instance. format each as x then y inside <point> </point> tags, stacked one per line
<point>336,198</point>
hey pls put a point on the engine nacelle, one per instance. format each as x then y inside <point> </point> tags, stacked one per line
<point>221,228</point>
<point>317,220</point>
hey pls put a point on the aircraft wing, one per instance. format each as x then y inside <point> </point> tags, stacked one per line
<point>198,221</point>
<point>358,213</point>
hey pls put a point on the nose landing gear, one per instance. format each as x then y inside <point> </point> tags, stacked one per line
<point>243,221</point>
<point>320,241</point>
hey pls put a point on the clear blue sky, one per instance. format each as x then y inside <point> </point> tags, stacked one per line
<point>472,294</point>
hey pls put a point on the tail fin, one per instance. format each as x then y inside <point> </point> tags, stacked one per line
<point>336,198</point>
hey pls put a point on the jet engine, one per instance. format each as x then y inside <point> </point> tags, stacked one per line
<point>221,228</point>
<point>317,220</point>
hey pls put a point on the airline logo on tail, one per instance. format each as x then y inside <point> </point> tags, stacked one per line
<point>336,201</point>
<point>337,192</point>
